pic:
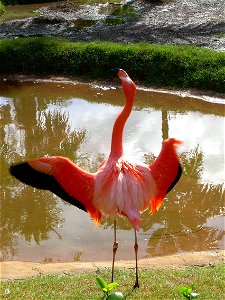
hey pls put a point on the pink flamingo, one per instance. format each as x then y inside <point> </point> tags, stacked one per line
<point>118,186</point>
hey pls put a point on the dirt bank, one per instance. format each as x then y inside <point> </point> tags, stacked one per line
<point>19,270</point>
<point>190,22</point>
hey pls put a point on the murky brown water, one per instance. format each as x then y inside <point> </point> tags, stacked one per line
<point>76,120</point>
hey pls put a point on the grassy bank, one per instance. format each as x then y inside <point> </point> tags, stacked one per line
<point>165,66</point>
<point>155,284</point>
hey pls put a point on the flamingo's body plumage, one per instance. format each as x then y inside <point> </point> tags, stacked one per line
<point>125,188</point>
<point>118,186</point>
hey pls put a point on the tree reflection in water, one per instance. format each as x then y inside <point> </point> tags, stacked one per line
<point>26,214</point>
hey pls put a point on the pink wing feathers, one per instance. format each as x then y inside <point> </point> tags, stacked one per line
<point>166,171</point>
<point>62,177</point>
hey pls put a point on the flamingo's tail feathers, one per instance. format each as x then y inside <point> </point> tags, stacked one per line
<point>156,203</point>
<point>28,175</point>
<point>96,217</point>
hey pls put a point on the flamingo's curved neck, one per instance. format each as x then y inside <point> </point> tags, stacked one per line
<point>129,89</point>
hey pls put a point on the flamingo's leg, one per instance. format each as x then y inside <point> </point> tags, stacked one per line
<point>136,285</point>
<point>115,247</point>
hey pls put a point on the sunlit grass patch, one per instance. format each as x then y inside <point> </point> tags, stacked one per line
<point>208,282</point>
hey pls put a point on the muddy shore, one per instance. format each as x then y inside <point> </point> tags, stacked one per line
<point>190,22</point>
<point>20,270</point>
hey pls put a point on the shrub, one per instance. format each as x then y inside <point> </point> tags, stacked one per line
<point>171,66</point>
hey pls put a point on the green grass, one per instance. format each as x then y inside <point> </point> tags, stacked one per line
<point>154,284</point>
<point>158,65</point>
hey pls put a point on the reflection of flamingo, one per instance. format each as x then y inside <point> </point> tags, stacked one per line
<point>118,187</point>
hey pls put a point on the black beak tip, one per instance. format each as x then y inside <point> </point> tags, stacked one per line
<point>114,71</point>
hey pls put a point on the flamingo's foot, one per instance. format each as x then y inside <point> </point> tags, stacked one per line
<point>136,285</point>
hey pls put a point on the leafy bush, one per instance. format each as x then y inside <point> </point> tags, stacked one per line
<point>172,66</point>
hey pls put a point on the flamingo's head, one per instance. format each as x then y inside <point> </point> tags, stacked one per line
<point>129,86</point>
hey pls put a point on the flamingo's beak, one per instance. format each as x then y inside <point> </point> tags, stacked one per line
<point>115,71</point>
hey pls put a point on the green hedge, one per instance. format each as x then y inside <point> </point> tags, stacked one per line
<point>171,66</point>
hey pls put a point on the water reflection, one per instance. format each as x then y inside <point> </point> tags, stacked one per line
<point>75,120</point>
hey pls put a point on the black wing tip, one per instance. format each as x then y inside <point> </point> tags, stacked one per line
<point>177,178</point>
<point>15,169</point>
<point>20,170</point>
<point>26,174</point>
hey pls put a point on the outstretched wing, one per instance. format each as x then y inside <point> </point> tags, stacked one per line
<point>166,171</point>
<point>63,178</point>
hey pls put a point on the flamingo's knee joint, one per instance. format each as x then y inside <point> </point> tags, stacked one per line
<point>115,246</point>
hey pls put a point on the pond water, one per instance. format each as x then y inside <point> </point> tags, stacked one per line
<point>75,120</point>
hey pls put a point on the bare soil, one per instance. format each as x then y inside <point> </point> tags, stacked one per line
<point>186,22</point>
<point>20,270</point>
